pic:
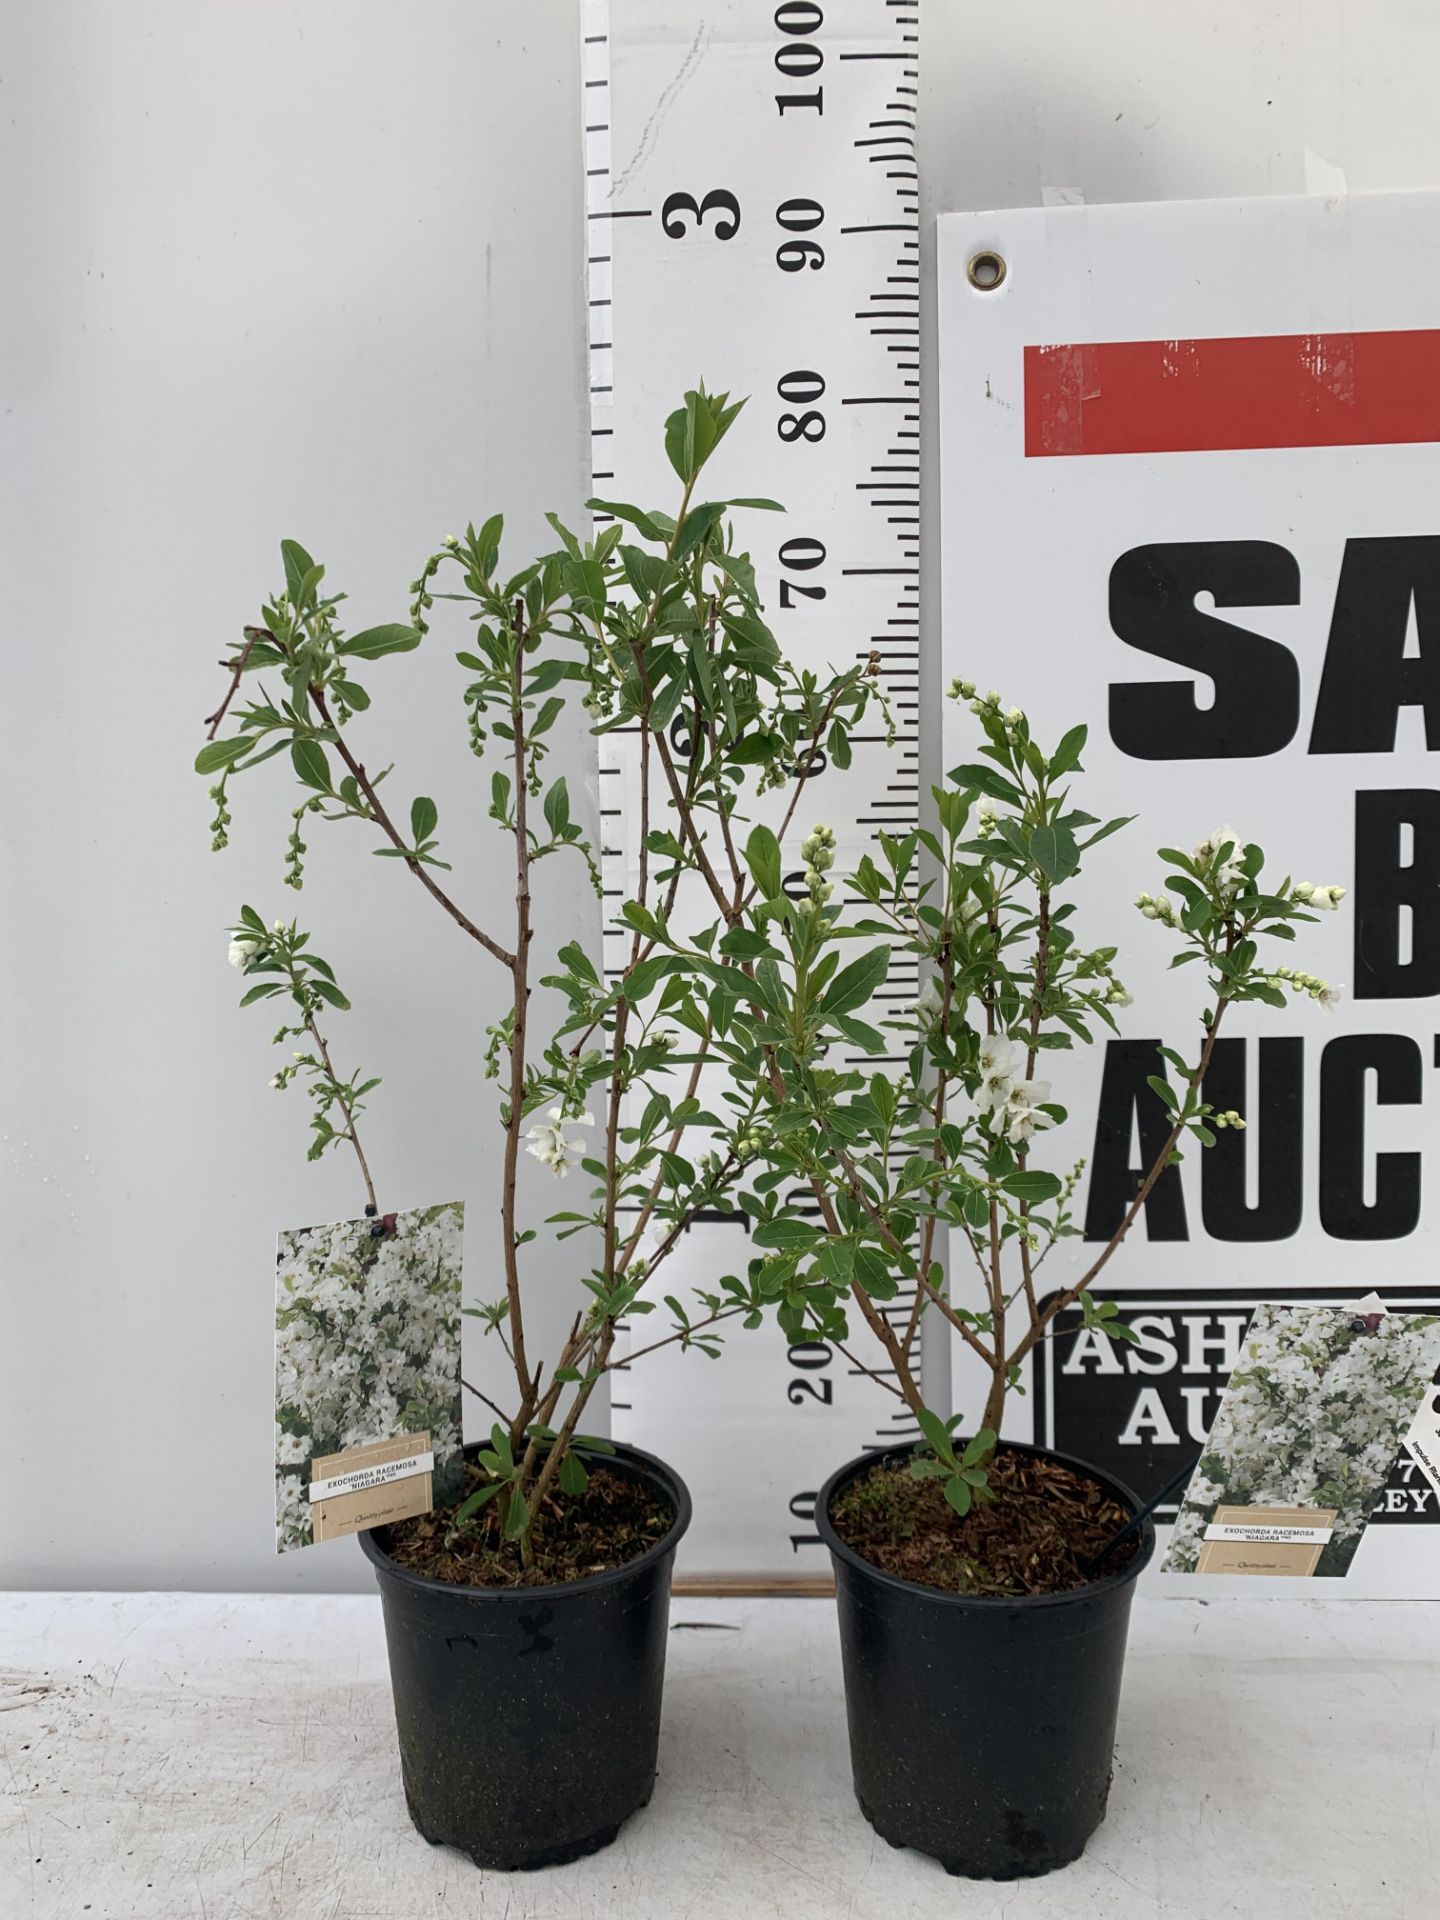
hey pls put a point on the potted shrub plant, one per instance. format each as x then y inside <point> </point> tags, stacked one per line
<point>518,1760</point>
<point>983,1594</point>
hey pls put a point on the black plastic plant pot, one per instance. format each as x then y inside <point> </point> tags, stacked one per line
<point>982,1729</point>
<point>529,1717</point>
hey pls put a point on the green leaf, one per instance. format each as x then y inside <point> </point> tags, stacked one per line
<point>216,754</point>
<point>1031,1186</point>
<point>308,759</point>
<point>475,1501</point>
<point>487,542</point>
<point>1110,826</point>
<point>853,986</point>
<point>328,990</point>
<point>868,1039</point>
<point>644,523</point>
<point>375,642</point>
<point>1163,1088</point>
<point>696,525</point>
<point>1054,851</point>
<point>574,957</point>
<point>957,1492</point>
<point>976,1207</point>
<point>935,1431</point>
<point>353,694</point>
<point>786,1233</point>
<point>297,564</point>
<point>740,943</point>
<point>988,780</point>
<point>517,1517</point>
<point>984,1441</point>
<point>585,580</point>
<point>762,856</point>
<point>1067,754</point>
<point>424,816</point>
<point>646,975</point>
<point>572,1476</point>
<point>557,809</point>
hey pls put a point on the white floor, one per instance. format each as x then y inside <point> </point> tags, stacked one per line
<point>170,1756</point>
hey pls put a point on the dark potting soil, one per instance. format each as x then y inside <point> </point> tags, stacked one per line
<point>1043,1521</point>
<point>615,1520</point>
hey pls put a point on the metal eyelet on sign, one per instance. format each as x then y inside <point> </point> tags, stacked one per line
<point>985,271</point>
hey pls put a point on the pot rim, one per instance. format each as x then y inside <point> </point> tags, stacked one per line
<point>651,1466</point>
<point>841,1551</point>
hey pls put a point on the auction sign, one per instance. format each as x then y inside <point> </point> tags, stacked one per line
<point>1191,498</point>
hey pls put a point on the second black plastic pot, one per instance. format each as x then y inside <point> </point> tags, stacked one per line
<point>529,1717</point>
<point>982,1730</point>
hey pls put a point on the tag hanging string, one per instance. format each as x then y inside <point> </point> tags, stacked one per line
<point>1139,1519</point>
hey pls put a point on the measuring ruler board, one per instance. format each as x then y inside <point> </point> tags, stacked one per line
<point>751,201</point>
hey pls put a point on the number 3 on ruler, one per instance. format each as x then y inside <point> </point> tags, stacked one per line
<point>719,199</point>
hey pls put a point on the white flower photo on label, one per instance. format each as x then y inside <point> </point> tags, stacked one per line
<point>1314,1415</point>
<point>367,1345</point>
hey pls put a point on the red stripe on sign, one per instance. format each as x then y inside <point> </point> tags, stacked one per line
<point>1212,396</point>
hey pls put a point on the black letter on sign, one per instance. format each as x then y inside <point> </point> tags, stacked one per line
<point>1125,1099</point>
<point>1385,890</point>
<point>1394,1059</point>
<point>1257,684</point>
<point>1279,1114</point>
<point>1367,679</point>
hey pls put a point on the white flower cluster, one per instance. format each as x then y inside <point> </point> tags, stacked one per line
<point>548,1141</point>
<point>981,704</point>
<point>817,856</point>
<point>1325,996</point>
<point>1158,906</point>
<point>1318,899</point>
<point>1230,875</point>
<point>1313,1417</point>
<point>367,1344</point>
<point>245,946</point>
<point>1013,1103</point>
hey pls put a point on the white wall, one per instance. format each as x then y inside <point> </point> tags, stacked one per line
<point>314,269</point>
<point>270,269</point>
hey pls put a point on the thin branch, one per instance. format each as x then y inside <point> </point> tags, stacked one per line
<point>684,1333</point>
<point>519,972</point>
<point>212,720</point>
<point>1162,1160</point>
<point>503,1418</point>
<point>391,831</point>
<point>345,1107</point>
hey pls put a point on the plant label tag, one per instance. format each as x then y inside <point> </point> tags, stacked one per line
<point>367,1372</point>
<point>1275,1540</point>
<point>1318,1404</point>
<point>1423,1438</point>
<point>368,1485</point>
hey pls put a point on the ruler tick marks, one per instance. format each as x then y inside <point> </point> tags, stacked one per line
<point>864,310</point>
